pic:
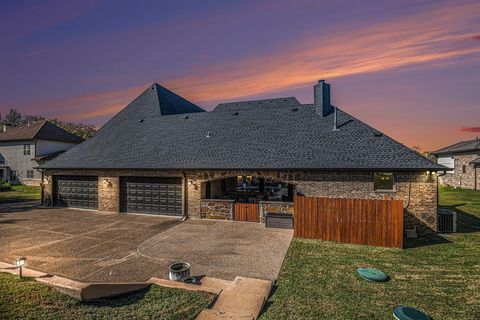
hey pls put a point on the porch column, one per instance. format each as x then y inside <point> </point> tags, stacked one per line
<point>261,184</point>
<point>290,191</point>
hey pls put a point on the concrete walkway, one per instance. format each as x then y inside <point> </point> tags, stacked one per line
<point>91,246</point>
<point>240,299</point>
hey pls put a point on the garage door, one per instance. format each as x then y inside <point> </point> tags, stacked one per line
<point>76,191</point>
<point>151,195</point>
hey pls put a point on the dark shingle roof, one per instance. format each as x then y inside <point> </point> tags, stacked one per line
<point>252,138</point>
<point>41,130</point>
<point>460,147</point>
<point>242,105</point>
<point>153,102</point>
<point>476,161</point>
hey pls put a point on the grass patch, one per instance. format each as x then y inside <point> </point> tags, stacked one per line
<point>28,299</point>
<point>21,193</point>
<point>318,279</point>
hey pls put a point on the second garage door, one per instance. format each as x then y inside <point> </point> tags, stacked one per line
<point>151,195</point>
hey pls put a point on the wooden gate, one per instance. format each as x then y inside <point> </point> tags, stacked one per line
<point>360,221</point>
<point>246,212</point>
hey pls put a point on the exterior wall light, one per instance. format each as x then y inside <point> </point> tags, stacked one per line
<point>20,262</point>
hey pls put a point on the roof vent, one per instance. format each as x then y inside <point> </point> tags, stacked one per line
<point>377,134</point>
<point>235,114</point>
<point>335,120</point>
<point>208,134</point>
<point>295,109</point>
<point>185,117</point>
<point>140,120</point>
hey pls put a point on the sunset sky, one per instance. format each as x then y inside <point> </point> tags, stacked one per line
<point>408,68</point>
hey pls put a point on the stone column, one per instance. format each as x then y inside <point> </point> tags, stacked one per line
<point>109,194</point>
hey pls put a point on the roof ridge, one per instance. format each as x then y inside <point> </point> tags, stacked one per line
<point>255,100</point>
<point>39,128</point>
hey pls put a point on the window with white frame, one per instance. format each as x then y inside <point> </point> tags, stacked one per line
<point>26,150</point>
<point>448,162</point>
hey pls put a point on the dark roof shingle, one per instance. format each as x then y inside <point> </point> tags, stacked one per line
<point>460,147</point>
<point>41,130</point>
<point>264,103</point>
<point>285,137</point>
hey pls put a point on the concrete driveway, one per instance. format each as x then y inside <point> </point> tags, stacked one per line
<point>93,246</point>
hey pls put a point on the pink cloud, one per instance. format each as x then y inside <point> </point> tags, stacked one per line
<point>470,129</point>
<point>424,39</point>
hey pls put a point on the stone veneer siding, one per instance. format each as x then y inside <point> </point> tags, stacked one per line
<point>219,209</point>
<point>418,190</point>
<point>459,179</point>
<point>273,207</point>
<point>108,183</point>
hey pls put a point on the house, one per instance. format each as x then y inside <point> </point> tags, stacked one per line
<point>22,149</point>
<point>463,158</point>
<point>164,155</point>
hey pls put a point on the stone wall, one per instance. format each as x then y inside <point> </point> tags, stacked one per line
<point>273,207</point>
<point>109,193</point>
<point>459,179</point>
<point>108,183</point>
<point>217,209</point>
<point>418,190</point>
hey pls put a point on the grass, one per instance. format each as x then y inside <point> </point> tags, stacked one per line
<point>318,279</point>
<point>21,193</point>
<point>28,299</point>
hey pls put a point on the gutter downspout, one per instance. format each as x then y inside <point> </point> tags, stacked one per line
<point>438,194</point>
<point>42,189</point>
<point>185,194</point>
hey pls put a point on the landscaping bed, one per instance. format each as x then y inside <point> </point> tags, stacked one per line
<point>28,299</point>
<point>439,275</point>
<point>20,193</point>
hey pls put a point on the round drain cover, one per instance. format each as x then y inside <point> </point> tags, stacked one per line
<point>372,274</point>
<point>409,313</point>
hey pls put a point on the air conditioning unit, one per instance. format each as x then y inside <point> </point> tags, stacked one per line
<point>447,221</point>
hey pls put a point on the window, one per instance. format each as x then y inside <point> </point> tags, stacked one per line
<point>464,169</point>
<point>448,162</point>
<point>13,175</point>
<point>26,149</point>
<point>383,181</point>
<point>30,174</point>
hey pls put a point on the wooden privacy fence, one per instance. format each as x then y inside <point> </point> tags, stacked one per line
<point>246,212</point>
<point>360,221</point>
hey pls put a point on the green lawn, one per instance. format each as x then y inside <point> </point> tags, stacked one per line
<point>442,277</point>
<point>20,193</point>
<point>28,299</point>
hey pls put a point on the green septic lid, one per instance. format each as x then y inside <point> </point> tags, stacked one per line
<point>409,313</point>
<point>372,274</point>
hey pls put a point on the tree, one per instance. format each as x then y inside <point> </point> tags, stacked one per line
<point>13,118</point>
<point>82,130</point>
<point>31,118</point>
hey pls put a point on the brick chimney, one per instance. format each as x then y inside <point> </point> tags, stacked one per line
<point>321,98</point>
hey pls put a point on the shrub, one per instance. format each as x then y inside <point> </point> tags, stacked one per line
<point>5,186</point>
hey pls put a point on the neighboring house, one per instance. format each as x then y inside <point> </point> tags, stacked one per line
<point>22,149</point>
<point>164,155</point>
<point>464,160</point>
